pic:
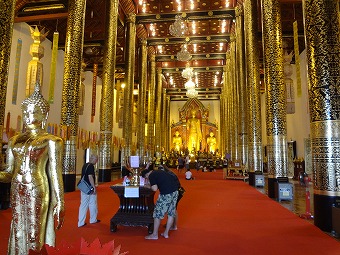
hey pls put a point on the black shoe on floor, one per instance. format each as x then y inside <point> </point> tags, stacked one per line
<point>96,222</point>
<point>82,225</point>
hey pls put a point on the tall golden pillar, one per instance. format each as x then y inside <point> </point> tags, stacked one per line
<point>228,104</point>
<point>158,129</point>
<point>235,155</point>
<point>222,116</point>
<point>71,83</point>
<point>6,32</point>
<point>167,126</point>
<point>241,85</point>
<point>151,107</point>
<point>323,54</point>
<point>164,122</point>
<point>108,81</point>
<point>141,99</point>
<point>275,94</point>
<point>253,90</point>
<point>129,81</point>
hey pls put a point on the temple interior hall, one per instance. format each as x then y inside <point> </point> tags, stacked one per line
<point>248,87</point>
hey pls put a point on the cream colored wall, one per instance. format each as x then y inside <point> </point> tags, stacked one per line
<point>21,30</point>
<point>298,127</point>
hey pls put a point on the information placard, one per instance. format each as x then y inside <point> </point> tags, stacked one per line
<point>134,161</point>
<point>131,192</point>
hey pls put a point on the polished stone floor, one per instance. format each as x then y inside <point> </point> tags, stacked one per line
<point>299,204</point>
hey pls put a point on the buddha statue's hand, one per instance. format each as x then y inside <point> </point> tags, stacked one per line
<point>58,213</point>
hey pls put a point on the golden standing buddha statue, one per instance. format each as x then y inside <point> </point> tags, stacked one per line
<point>211,141</point>
<point>34,168</point>
<point>195,133</point>
<point>177,141</point>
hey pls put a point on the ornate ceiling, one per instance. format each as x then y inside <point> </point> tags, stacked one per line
<point>209,24</point>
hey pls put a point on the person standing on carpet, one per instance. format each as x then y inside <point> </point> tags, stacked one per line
<point>88,202</point>
<point>180,193</point>
<point>166,202</point>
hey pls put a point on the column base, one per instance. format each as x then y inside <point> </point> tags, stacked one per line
<point>323,211</point>
<point>251,178</point>
<point>271,187</point>
<point>69,182</point>
<point>104,175</point>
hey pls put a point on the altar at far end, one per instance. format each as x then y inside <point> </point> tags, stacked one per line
<point>193,132</point>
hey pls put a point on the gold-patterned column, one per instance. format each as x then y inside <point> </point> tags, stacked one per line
<point>71,83</point>
<point>222,116</point>
<point>129,82</point>
<point>151,107</point>
<point>164,122</point>
<point>241,85</point>
<point>143,67</point>
<point>323,54</point>
<point>158,112</point>
<point>275,93</point>
<point>234,101</point>
<point>255,159</point>
<point>108,81</point>
<point>6,32</point>
<point>167,126</point>
<point>228,103</point>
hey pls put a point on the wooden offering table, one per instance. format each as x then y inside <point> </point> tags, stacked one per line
<point>136,207</point>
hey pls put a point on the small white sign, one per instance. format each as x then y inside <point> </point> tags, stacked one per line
<point>131,191</point>
<point>134,161</point>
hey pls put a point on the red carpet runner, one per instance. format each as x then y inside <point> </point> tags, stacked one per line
<point>216,216</point>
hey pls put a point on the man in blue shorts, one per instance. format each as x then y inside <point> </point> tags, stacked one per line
<point>166,202</point>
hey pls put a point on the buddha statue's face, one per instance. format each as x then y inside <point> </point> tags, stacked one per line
<point>176,133</point>
<point>211,134</point>
<point>33,116</point>
<point>193,113</point>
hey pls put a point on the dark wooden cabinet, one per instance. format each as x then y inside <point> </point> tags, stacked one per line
<point>133,211</point>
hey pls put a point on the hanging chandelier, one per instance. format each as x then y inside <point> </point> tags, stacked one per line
<point>179,28</point>
<point>184,54</point>
<point>188,72</point>
<point>192,93</point>
<point>190,87</point>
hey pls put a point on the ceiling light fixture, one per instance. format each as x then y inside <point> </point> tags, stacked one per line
<point>179,28</point>
<point>184,54</point>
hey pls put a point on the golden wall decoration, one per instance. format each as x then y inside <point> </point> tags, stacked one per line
<point>53,67</point>
<point>35,67</point>
<point>16,71</point>
<point>94,91</point>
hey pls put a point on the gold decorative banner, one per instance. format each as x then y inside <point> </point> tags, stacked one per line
<point>94,85</point>
<point>16,72</point>
<point>53,67</point>
<point>297,59</point>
